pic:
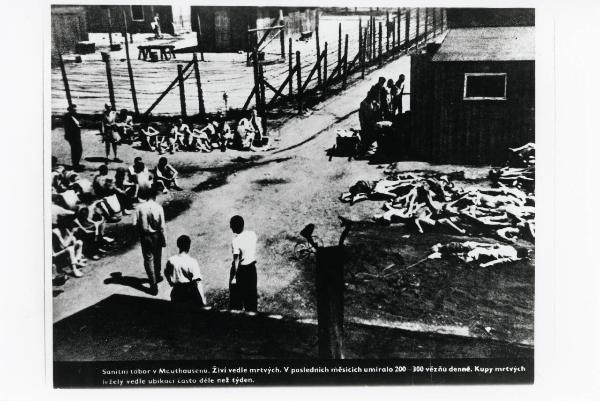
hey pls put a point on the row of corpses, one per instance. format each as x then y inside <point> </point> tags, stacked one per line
<point>81,208</point>
<point>434,201</point>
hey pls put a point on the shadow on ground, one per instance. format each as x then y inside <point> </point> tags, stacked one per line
<point>133,328</point>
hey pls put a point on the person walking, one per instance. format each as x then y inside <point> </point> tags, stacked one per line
<point>72,129</point>
<point>149,219</point>
<point>183,274</point>
<point>243,294</point>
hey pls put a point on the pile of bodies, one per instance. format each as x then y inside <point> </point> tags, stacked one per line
<point>431,200</point>
<point>81,209</point>
<point>520,169</point>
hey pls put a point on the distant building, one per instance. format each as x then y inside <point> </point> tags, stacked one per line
<point>225,28</point>
<point>69,26</point>
<point>102,18</point>
<point>474,96</point>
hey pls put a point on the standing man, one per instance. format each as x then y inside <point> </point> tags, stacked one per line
<point>400,93</point>
<point>110,135</point>
<point>149,219</point>
<point>73,136</point>
<point>242,278</point>
<point>183,274</point>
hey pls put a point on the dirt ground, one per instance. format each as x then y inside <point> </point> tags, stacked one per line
<point>278,192</point>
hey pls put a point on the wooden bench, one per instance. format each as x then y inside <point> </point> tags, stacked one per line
<point>166,51</point>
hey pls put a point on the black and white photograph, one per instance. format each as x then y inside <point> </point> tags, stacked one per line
<point>276,195</point>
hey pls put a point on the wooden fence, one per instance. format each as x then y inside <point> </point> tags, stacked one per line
<point>294,81</point>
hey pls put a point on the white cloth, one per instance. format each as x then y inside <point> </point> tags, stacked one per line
<point>182,268</point>
<point>244,245</point>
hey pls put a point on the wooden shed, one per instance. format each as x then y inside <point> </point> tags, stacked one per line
<point>69,26</point>
<point>225,28</point>
<point>474,96</point>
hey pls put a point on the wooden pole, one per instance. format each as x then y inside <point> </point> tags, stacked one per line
<point>394,35</point>
<point>299,80</point>
<point>199,38</point>
<point>261,84</point>
<point>325,68</point>
<point>319,82</point>
<point>256,78</point>
<point>110,40</point>
<point>407,30</point>
<point>434,16</point>
<point>425,29</point>
<point>201,109</point>
<point>361,50</point>
<point>181,90</point>
<point>373,35</point>
<point>130,70</point>
<point>290,67</point>
<point>399,16</point>
<point>64,78</point>
<point>111,89</point>
<point>380,47</point>
<point>418,22</point>
<point>330,301</point>
<point>282,35</point>
<point>345,78</point>
<point>339,43</point>
<point>387,32</point>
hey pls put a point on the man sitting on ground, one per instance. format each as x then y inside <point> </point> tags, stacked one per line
<point>183,274</point>
<point>66,248</point>
<point>165,175</point>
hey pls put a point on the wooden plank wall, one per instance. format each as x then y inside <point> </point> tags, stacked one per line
<point>448,129</point>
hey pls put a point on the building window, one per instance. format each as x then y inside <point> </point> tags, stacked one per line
<point>485,86</point>
<point>137,13</point>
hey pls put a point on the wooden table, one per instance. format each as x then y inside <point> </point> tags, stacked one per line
<point>166,51</point>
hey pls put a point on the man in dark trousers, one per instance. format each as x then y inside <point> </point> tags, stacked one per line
<point>149,219</point>
<point>183,274</point>
<point>380,94</point>
<point>400,93</point>
<point>73,136</point>
<point>242,277</point>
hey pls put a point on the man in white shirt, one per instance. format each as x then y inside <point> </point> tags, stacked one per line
<point>242,278</point>
<point>183,274</point>
<point>149,219</point>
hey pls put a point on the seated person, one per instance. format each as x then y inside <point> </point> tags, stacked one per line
<point>244,136</point>
<point>66,248</point>
<point>131,169</point>
<point>176,135</point>
<point>91,232</point>
<point>200,139</point>
<point>82,187</point>
<point>225,134</point>
<point>59,182</point>
<point>165,175</point>
<point>124,126</point>
<point>103,184</point>
<point>125,190</point>
<point>151,138</point>
<point>183,274</point>
<point>257,126</point>
<point>68,200</point>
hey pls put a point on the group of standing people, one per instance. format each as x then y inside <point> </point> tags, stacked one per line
<point>383,103</point>
<point>182,271</point>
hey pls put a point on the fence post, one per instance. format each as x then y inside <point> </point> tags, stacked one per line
<point>387,32</point>
<point>325,68</point>
<point>319,82</point>
<point>361,50</point>
<point>261,81</point>
<point>339,43</point>
<point>290,67</point>
<point>199,39</point>
<point>345,61</point>
<point>282,35</point>
<point>201,109</point>
<point>110,40</point>
<point>256,79</point>
<point>111,89</point>
<point>373,39</point>
<point>407,18</point>
<point>299,80</point>
<point>425,29</point>
<point>330,301</point>
<point>418,22</point>
<point>380,48</point>
<point>434,16</point>
<point>64,78</point>
<point>181,90</point>
<point>130,70</point>
<point>398,18</point>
